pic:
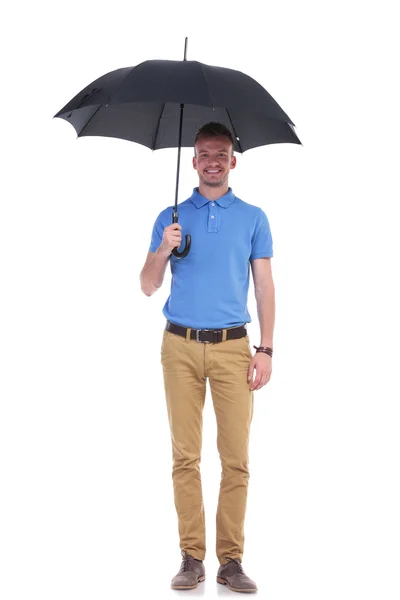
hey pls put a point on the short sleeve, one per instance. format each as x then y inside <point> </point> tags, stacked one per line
<point>157,233</point>
<point>261,241</point>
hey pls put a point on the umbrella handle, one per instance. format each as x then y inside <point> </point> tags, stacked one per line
<point>188,241</point>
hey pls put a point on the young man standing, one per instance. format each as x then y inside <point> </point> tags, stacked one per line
<point>206,338</point>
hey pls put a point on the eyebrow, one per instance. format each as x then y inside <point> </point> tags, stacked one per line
<point>200,150</point>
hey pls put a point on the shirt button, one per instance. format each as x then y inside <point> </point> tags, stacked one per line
<point>212,216</point>
<point>213,204</point>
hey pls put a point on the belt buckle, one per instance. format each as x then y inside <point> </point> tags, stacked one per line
<point>198,331</point>
<point>215,333</point>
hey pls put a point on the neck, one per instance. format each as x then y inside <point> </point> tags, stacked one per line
<point>213,193</point>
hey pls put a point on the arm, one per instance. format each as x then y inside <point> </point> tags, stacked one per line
<point>152,274</point>
<point>265,296</point>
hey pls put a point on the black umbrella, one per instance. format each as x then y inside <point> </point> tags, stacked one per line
<point>163,103</point>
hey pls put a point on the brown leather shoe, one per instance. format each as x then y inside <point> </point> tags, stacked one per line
<point>191,572</point>
<point>232,575</point>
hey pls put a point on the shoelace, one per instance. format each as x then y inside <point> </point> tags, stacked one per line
<point>187,559</point>
<point>238,563</point>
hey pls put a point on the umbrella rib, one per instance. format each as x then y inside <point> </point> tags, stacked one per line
<point>205,77</point>
<point>234,131</point>
<point>158,126</point>
<point>87,123</point>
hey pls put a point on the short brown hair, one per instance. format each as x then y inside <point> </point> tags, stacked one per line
<point>213,130</point>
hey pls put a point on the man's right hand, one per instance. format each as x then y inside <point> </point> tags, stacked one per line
<point>172,238</point>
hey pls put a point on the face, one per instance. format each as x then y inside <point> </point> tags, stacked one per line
<point>213,160</point>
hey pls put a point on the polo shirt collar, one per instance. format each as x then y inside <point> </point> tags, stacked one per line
<point>225,201</point>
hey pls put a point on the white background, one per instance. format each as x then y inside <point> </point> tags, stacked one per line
<point>86,503</point>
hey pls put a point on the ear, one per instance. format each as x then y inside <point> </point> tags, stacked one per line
<point>194,162</point>
<point>233,162</point>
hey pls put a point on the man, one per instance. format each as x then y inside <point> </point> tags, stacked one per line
<point>209,292</point>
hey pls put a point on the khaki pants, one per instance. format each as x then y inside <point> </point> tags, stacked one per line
<point>186,366</point>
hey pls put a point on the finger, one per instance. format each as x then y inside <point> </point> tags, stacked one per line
<point>259,381</point>
<point>256,383</point>
<point>264,380</point>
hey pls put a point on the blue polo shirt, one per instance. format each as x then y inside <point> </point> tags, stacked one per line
<point>209,287</point>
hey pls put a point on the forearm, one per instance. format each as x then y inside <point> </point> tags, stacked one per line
<point>266,314</point>
<point>152,275</point>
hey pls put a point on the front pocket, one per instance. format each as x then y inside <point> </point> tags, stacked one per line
<point>248,349</point>
<point>163,341</point>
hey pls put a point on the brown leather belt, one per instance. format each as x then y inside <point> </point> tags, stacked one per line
<point>207,336</point>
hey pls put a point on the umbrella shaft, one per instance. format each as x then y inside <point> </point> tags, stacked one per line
<point>179,149</point>
<point>179,156</point>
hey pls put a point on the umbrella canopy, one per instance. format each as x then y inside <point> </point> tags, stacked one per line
<point>163,103</point>
<point>142,104</point>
